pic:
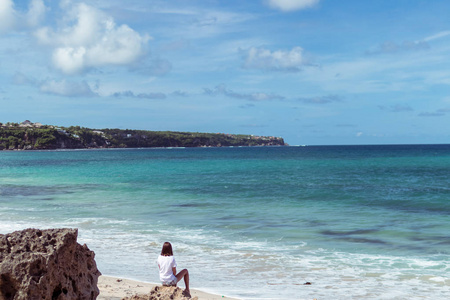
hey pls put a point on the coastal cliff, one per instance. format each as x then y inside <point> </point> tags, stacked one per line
<point>35,136</point>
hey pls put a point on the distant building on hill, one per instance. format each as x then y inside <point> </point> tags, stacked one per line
<point>28,123</point>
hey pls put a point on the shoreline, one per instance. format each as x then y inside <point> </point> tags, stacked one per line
<point>116,288</point>
<point>140,148</point>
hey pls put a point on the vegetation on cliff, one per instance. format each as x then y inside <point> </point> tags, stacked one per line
<point>35,136</point>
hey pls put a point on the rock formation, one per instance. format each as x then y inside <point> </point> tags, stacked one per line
<point>163,293</point>
<point>46,265</point>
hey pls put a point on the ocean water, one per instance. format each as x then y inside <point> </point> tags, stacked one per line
<point>358,222</point>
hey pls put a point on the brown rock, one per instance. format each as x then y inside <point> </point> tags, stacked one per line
<point>46,265</point>
<point>163,293</point>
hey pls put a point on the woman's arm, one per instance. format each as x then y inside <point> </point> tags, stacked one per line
<point>174,271</point>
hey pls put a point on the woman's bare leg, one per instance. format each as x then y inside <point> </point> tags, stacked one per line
<point>184,274</point>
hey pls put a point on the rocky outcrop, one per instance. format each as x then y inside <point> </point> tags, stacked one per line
<point>163,293</point>
<point>46,265</point>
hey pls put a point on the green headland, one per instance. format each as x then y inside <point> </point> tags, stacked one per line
<point>36,136</point>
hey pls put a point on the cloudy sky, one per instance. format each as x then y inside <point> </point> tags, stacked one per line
<point>315,72</point>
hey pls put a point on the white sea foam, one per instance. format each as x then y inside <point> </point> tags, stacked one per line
<point>253,270</point>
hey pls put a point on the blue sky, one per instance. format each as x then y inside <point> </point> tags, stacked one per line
<point>314,72</point>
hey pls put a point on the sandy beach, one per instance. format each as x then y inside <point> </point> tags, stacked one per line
<point>115,288</point>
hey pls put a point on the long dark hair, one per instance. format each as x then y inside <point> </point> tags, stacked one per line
<point>167,249</point>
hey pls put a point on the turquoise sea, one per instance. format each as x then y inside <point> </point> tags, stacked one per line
<point>358,222</point>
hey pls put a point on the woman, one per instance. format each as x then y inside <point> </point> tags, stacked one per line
<point>168,268</point>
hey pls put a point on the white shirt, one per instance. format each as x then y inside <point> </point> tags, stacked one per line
<point>166,263</point>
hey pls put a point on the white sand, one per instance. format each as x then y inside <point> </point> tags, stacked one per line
<point>113,288</point>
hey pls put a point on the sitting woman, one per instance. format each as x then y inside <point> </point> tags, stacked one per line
<point>168,268</point>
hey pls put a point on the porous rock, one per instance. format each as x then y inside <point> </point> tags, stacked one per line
<point>46,265</point>
<point>163,293</point>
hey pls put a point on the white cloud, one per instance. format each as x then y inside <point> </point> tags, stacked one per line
<point>396,108</point>
<point>389,47</point>
<point>67,88</point>
<point>291,5</point>
<point>437,36</point>
<point>321,100</point>
<point>209,23</point>
<point>36,12</point>
<point>264,59</point>
<point>89,38</point>
<point>70,59</point>
<point>381,73</point>
<point>130,94</point>
<point>11,19</point>
<point>258,96</point>
<point>7,15</point>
